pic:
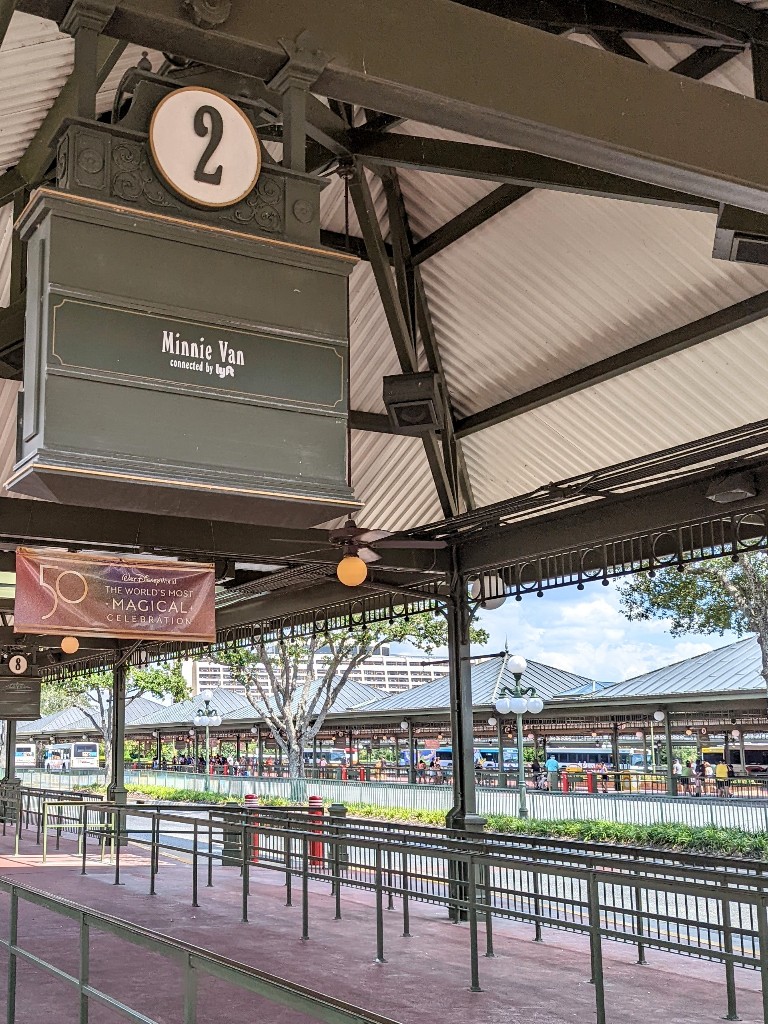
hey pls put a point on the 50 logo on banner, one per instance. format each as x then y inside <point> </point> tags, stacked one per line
<point>55,588</point>
<point>81,594</point>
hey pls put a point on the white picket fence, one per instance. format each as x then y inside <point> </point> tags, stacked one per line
<point>749,815</point>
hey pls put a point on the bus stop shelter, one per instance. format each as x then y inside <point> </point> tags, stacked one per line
<point>559,214</point>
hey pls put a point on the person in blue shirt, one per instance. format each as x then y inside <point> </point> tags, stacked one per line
<point>553,767</point>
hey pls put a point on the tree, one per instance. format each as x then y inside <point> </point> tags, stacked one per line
<point>294,709</point>
<point>708,597</point>
<point>92,694</point>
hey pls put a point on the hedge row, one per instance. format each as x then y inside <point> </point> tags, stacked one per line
<point>728,842</point>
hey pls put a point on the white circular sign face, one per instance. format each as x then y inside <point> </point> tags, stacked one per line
<point>204,147</point>
<point>17,663</point>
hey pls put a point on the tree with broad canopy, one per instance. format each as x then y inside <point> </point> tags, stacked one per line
<point>293,708</point>
<point>707,597</point>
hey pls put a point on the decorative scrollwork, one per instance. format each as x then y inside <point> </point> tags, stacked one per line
<point>127,185</point>
<point>262,206</point>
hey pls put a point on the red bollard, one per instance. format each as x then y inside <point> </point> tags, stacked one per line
<point>362,774</point>
<point>316,810</point>
<point>251,804</point>
<point>565,784</point>
<point>344,773</point>
<point>226,767</point>
<point>591,782</point>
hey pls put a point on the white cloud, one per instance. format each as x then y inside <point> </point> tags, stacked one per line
<point>587,634</point>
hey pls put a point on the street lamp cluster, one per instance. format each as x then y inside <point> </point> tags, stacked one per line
<point>209,717</point>
<point>519,701</point>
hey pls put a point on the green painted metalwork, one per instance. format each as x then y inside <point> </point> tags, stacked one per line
<point>194,964</point>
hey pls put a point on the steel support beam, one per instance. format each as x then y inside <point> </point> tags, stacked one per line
<point>739,315</point>
<point>721,19</point>
<point>396,309</point>
<point>453,461</point>
<point>463,814</point>
<point>561,16</point>
<point>116,791</point>
<point>759,54</point>
<point>599,111</point>
<point>614,42</point>
<point>704,61</point>
<point>41,522</point>
<point>467,221</point>
<point>603,519</point>
<point>514,167</point>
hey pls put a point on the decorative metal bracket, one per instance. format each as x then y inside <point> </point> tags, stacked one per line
<point>91,15</point>
<point>207,13</point>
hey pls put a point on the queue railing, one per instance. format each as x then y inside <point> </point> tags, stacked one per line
<point>705,907</point>
<point>195,967</point>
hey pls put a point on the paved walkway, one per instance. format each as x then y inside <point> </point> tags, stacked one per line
<point>425,978</point>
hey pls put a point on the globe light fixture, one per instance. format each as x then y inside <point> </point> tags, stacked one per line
<point>518,705</point>
<point>351,571</point>
<point>659,716</point>
<point>492,722</point>
<point>207,716</point>
<point>70,644</point>
<point>503,705</point>
<point>489,590</point>
<point>735,733</point>
<point>516,664</point>
<point>404,726</point>
<point>535,705</point>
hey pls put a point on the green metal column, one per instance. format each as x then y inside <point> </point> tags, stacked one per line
<point>502,778</point>
<point>116,791</point>
<point>260,754</point>
<point>411,752</point>
<point>671,784</point>
<point>10,750</point>
<point>463,814</point>
<point>615,755</point>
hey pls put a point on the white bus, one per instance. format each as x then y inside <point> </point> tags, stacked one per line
<point>25,755</point>
<point>63,757</point>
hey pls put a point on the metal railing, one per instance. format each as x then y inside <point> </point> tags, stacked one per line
<point>195,967</point>
<point>744,813</point>
<point>710,908</point>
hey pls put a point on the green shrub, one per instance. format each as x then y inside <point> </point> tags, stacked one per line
<point>728,842</point>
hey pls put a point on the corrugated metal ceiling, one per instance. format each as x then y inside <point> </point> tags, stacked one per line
<point>552,283</point>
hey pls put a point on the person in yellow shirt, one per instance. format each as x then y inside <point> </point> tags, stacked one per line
<point>721,778</point>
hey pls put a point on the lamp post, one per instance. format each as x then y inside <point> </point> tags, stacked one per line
<point>519,700</point>
<point>207,716</point>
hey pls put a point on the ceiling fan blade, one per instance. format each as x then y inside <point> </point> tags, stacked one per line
<point>300,543</point>
<point>368,555</point>
<point>367,536</point>
<point>406,542</point>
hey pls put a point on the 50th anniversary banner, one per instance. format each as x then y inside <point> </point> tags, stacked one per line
<point>94,595</point>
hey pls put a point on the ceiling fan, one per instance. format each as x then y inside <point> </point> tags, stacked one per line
<point>365,544</point>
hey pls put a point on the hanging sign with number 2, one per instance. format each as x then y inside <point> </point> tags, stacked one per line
<point>204,147</point>
<point>93,595</point>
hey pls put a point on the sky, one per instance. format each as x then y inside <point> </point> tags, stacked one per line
<point>586,633</point>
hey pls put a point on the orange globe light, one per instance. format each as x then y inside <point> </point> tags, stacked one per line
<point>70,645</point>
<point>351,571</point>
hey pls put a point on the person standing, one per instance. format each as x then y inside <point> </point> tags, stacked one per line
<point>553,767</point>
<point>685,777</point>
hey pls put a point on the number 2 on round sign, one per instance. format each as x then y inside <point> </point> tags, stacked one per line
<point>216,130</point>
<point>55,588</point>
